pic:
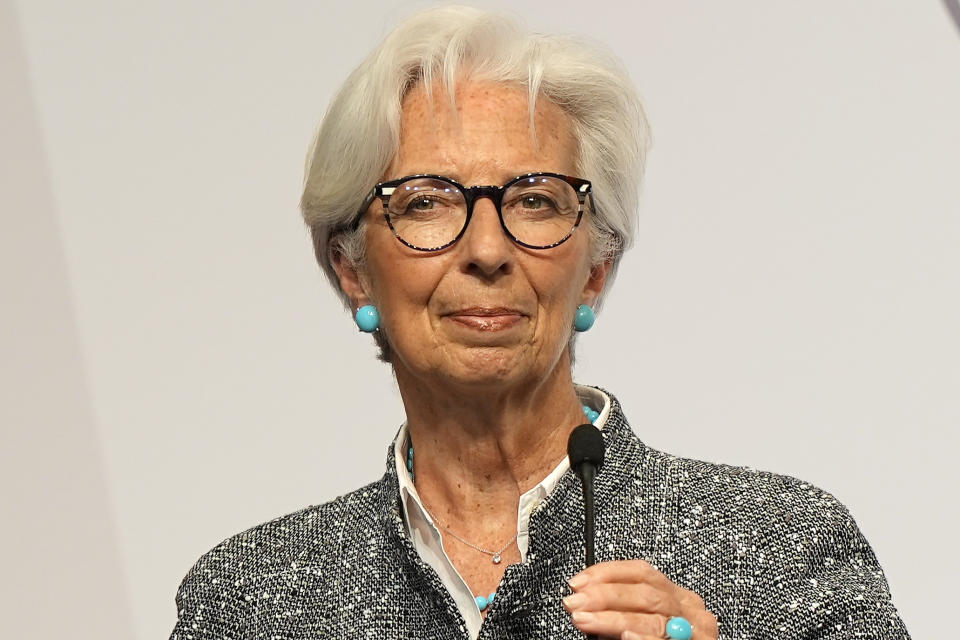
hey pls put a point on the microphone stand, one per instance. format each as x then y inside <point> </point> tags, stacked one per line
<point>587,472</point>
<point>586,451</point>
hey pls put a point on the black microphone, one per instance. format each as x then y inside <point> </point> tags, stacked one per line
<point>585,449</point>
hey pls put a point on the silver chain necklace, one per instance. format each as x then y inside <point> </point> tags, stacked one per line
<point>497,559</point>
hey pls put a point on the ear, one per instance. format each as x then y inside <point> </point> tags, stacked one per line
<point>595,283</point>
<point>351,279</point>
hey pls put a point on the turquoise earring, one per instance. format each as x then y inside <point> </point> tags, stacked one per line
<point>584,319</point>
<point>367,318</point>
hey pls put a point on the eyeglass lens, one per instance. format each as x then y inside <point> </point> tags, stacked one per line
<point>430,213</point>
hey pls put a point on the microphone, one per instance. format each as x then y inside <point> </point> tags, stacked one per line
<point>585,449</point>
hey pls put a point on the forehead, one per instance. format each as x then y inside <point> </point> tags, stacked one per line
<point>486,133</point>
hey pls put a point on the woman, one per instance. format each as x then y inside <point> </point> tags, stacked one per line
<point>470,193</point>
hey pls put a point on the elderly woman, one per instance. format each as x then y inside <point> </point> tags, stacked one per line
<point>470,193</point>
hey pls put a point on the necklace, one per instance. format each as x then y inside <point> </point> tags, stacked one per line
<point>496,554</point>
<point>483,601</point>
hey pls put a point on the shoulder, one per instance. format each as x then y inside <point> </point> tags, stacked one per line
<point>777,528</point>
<point>214,598</point>
<point>307,536</point>
<point>723,495</point>
<point>687,494</point>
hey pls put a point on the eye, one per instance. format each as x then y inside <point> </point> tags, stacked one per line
<point>421,204</point>
<point>534,202</point>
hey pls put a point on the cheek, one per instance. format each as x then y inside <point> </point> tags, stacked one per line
<point>401,285</point>
<point>559,300</point>
<point>569,281</point>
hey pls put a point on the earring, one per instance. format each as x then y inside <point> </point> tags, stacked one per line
<point>367,318</point>
<point>584,319</point>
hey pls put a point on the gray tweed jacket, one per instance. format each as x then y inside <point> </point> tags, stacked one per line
<point>772,557</point>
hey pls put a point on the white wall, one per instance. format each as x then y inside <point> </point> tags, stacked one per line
<point>175,369</point>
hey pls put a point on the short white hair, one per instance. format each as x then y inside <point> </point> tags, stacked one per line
<point>359,136</point>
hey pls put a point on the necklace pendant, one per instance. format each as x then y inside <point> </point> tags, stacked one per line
<point>496,558</point>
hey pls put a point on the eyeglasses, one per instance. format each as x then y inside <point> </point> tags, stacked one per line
<point>430,213</point>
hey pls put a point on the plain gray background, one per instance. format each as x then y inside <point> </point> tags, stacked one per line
<point>174,369</point>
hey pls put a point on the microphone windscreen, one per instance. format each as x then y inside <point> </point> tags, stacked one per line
<point>585,445</point>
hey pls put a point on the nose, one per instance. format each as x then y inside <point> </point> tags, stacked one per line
<point>485,247</point>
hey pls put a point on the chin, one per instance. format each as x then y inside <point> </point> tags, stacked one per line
<point>495,367</point>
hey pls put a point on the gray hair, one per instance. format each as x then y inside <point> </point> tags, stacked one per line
<point>360,133</point>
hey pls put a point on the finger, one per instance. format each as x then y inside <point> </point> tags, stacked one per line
<point>641,598</point>
<point>619,571</point>
<point>704,624</point>
<point>614,623</point>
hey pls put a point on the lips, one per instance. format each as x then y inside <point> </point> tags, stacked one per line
<point>487,318</point>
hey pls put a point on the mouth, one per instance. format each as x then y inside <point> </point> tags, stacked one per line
<point>487,318</point>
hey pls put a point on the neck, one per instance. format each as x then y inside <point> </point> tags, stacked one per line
<point>477,451</point>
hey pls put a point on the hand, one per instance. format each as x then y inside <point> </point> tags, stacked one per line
<point>630,600</point>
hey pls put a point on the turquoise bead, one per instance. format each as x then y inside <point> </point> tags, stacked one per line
<point>409,465</point>
<point>367,318</point>
<point>585,318</point>
<point>483,603</point>
<point>679,629</point>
